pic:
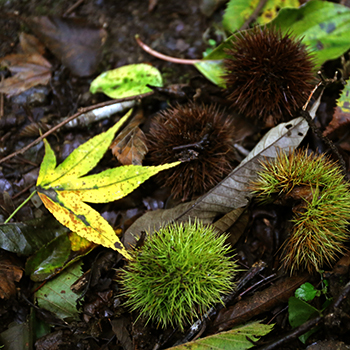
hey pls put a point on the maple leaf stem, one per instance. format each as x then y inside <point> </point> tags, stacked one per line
<point>19,207</point>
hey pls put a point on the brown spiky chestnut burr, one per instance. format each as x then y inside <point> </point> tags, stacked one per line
<point>268,74</point>
<point>202,137</point>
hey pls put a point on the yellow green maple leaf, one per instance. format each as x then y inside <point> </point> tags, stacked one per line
<point>64,189</point>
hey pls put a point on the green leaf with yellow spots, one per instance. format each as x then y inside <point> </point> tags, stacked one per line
<point>127,80</point>
<point>64,189</point>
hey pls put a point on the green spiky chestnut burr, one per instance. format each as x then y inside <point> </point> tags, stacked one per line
<point>321,211</point>
<point>178,273</point>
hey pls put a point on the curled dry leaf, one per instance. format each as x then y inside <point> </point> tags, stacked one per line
<point>29,68</point>
<point>129,146</point>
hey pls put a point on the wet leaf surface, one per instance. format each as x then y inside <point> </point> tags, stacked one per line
<point>58,254</point>
<point>27,237</point>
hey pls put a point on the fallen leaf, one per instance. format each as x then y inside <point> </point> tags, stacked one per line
<point>29,68</point>
<point>239,338</point>
<point>232,192</point>
<point>25,238</point>
<point>127,81</point>
<point>129,146</point>
<point>76,43</point>
<point>56,295</point>
<point>257,304</point>
<point>235,223</point>
<point>17,336</point>
<point>119,328</point>
<point>30,44</point>
<point>64,191</point>
<point>57,255</point>
<point>10,272</point>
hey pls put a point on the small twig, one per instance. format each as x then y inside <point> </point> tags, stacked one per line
<point>325,139</point>
<point>164,57</point>
<point>254,15</point>
<point>295,333</point>
<point>82,111</point>
<point>23,191</point>
<point>197,326</point>
<point>194,145</point>
<point>2,101</point>
<point>257,284</point>
<point>342,296</point>
<point>72,8</point>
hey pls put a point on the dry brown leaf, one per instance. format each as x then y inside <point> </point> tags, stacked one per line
<point>120,329</point>
<point>76,43</point>
<point>259,303</point>
<point>341,118</point>
<point>129,147</point>
<point>30,44</point>
<point>10,272</point>
<point>28,69</point>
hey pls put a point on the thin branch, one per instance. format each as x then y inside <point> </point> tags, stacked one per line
<point>254,15</point>
<point>164,57</point>
<point>82,111</point>
<point>72,8</point>
<point>294,334</point>
<point>326,140</point>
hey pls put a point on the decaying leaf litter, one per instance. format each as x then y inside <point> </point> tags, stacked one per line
<point>51,256</point>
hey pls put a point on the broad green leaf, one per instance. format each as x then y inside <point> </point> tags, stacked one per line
<point>57,255</point>
<point>272,8</point>
<point>17,337</point>
<point>324,27</point>
<point>299,311</point>
<point>64,192</point>
<point>56,295</point>
<point>212,66</point>
<point>238,11</point>
<point>127,81</point>
<point>213,70</point>
<point>239,338</point>
<point>307,292</point>
<point>49,259</point>
<point>25,238</point>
